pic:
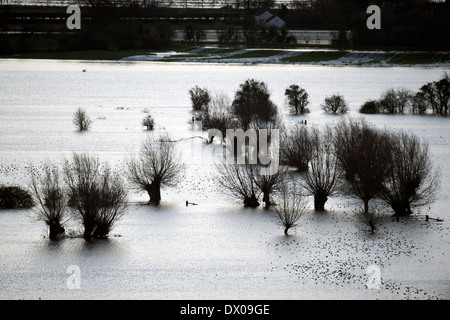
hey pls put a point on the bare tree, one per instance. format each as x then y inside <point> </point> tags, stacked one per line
<point>404,98</point>
<point>335,104</point>
<point>436,95</point>
<point>239,181</point>
<point>372,218</point>
<point>217,116</point>
<point>372,164</point>
<point>81,120</point>
<point>364,154</point>
<point>297,99</point>
<point>200,98</point>
<point>346,141</point>
<point>412,180</point>
<point>290,206</point>
<point>157,165</point>
<point>321,178</point>
<point>51,198</point>
<point>297,144</point>
<point>418,103</point>
<point>193,32</point>
<point>270,183</point>
<point>96,195</point>
<point>395,100</point>
<point>388,101</point>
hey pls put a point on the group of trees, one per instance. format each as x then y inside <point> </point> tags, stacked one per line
<point>92,193</point>
<point>250,108</point>
<point>353,158</point>
<point>433,96</point>
<point>85,189</point>
<point>193,33</point>
<point>252,102</point>
<point>298,99</point>
<point>83,122</point>
<point>393,166</point>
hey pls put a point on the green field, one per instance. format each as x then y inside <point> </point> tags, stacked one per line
<point>96,54</point>
<point>254,54</point>
<point>80,55</point>
<point>315,56</point>
<point>185,52</point>
<point>420,58</point>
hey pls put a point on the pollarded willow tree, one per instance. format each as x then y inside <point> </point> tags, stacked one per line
<point>321,178</point>
<point>148,122</point>
<point>372,164</point>
<point>217,116</point>
<point>239,181</point>
<point>297,146</point>
<point>96,194</point>
<point>50,194</point>
<point>346,141</point>
<point>372,218</point>
<point>290,206</point>
<point>270,183</point>
<point>158,164</point>
<point>364,153</point>
<point>411,181</point>
<point>248,181</point>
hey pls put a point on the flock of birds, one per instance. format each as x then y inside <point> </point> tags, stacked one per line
<point>333,253</point>
<point>340,254</point>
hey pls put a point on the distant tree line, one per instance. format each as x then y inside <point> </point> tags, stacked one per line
<point>404,23</point>
<point>114,25</point>
<point>433,97</point>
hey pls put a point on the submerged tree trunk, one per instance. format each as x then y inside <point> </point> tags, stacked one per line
<point>401,209</point>
<point>55,229</point>
<point>101,230</point>
<point>319,201</point>
<point>302,166</point>
<point>87,234</point>
<point>372,226</point>
<point>366,206</point>
<point>251,201</point>
<point>266,199</point>
<point>89,228</point>
<point>154,192</point>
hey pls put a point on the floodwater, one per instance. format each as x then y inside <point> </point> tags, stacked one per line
<point>215,249</point>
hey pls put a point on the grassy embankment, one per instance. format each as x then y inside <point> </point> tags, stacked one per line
<point>189,52</point>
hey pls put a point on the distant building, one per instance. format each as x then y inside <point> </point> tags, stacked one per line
<point>267,19</point>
